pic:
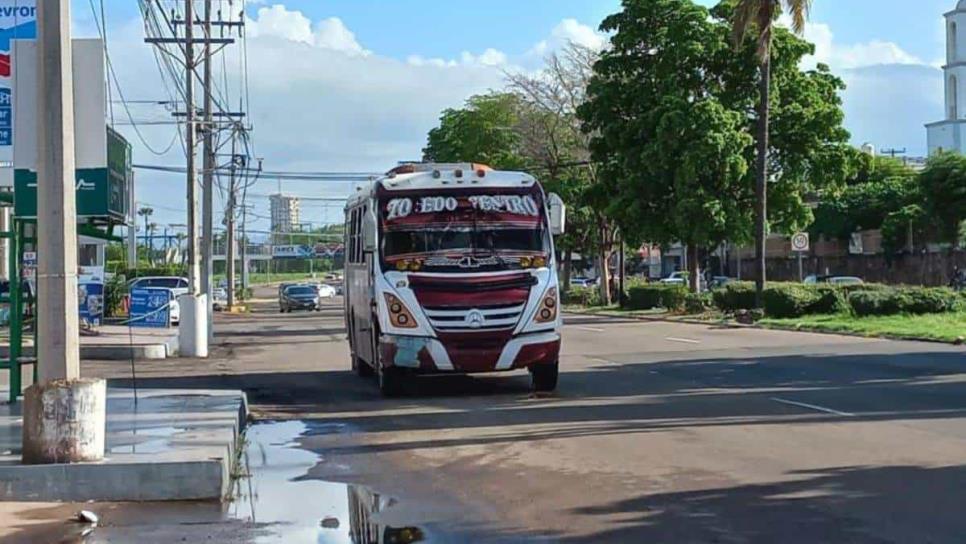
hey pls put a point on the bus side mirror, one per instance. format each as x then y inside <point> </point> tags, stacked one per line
<point>558,214</point>
<point>368,234</point>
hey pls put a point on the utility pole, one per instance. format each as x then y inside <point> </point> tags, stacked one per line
<point>63,415</point>
<point>132,234</point>
<point>230,224</point>
<point>194,323</point>
<point>207,211</point>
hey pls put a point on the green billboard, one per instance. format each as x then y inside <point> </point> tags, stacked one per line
<point>102,193</point>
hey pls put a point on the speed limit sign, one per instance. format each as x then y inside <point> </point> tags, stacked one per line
<point>800,242</point>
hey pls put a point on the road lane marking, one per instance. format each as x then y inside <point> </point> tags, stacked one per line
<point>682,340</point>
<point>812,407</point>
<point>591,329</point>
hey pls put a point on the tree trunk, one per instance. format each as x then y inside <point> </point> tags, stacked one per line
<point>621,269</point>
<point>602,255</point>
<point>694,268</point>
<point>567,270</point>
<point>761,182</point>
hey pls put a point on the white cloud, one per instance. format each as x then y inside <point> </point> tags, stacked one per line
<point>847,56</point>
<point>279,22</point>
<point>567,31</point>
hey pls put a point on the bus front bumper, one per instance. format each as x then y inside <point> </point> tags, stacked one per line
<point>430,355</point>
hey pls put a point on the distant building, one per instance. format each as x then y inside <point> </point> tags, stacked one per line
<point>285,213</point>
<point>950,133</point>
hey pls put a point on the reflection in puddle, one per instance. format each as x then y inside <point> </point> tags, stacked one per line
<point>276,501</point>
<point>278,497</point>
<point>143,440</point>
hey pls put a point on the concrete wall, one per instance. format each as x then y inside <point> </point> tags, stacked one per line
<point>932,269</point>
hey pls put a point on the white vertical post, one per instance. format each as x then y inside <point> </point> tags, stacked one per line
<point>193,329</point>
<point>58,352</point>
<point>63,415</point>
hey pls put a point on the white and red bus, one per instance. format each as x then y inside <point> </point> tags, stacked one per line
<point>450,268</point>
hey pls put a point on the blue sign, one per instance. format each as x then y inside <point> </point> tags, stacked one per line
<point>91,302</point>
<point>150,307</point>
<point>6,119</point>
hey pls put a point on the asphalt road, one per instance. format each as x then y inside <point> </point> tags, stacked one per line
<point>660,432</point>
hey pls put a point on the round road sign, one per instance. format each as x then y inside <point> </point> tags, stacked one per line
<point>800,242</point>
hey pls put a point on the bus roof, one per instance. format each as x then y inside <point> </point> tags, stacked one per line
<point>442,177</point>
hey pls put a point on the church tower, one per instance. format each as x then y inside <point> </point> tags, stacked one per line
<point>950,133</point>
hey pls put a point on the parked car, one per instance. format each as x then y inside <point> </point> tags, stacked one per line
<point>298,297</point>
<point>832,280</point>
<point>681,278</point>
<point>325,290</point>
<point>720,281</point>
<point>581,281</point>
<point>676,278</point>
<point>177,286</point>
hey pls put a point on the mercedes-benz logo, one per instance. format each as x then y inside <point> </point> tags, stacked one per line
<point>475,319</point>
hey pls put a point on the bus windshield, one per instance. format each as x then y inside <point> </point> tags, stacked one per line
<point>475,231</point>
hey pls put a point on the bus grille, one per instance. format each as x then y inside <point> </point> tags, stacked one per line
<point>490,318</point>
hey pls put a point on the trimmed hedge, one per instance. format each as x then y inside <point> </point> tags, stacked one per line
<point>865,303</point>
<point>789,300</point>
<point>656,295</point>
<point>734,296</point>
<point>909,300</point>
<point>697,303</point>
<point>831,300</point>
<point>582,296</point>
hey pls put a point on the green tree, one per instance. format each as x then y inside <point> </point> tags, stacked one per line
<point>750,15</point>
<point>882,186</point>
<point>483,131</point>
<point>671,152</point>
<point>673,106</point>
<point>943,186</point>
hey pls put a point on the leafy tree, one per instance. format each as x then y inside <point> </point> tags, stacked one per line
<point>882,186</point>
<point>483,131</point>
<point>673,106</point>
<point>750,15</point>
<point>943,186</point>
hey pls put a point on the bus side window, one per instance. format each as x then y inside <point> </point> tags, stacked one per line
<point>355,235</point>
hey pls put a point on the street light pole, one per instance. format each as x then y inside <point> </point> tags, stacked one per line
<point>64,415</point>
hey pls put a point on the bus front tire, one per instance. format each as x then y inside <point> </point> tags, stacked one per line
<point>361,367</point>
<point>543,378</point>
<point>390,381</point>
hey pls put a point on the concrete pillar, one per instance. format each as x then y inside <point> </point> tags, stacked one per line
<point>64,421</point>
<point>193,329</point>
<point>6,218</point>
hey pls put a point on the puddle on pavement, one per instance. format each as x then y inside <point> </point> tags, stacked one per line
<point>275,501</point>
<point>147,440</point>
<point>293,508</point>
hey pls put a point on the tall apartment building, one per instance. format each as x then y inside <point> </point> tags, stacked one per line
<point>285,213</point>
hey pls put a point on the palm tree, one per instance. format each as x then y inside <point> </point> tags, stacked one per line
<point>761,14</point>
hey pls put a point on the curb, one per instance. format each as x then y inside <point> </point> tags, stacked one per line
<point>687,321</point>
<point>804,329</point>
<point>198,469</point>
<point>884,336</point>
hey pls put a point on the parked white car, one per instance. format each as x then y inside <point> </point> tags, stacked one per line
<point>177,286</point>
<point>676,278</point>
<point>325,290</point>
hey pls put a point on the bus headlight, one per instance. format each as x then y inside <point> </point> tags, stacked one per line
<point>547,311</point>
<point>399,316</point>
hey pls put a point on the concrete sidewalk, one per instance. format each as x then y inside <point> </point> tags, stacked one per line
<point>118,342</point>
<point>173,445</point>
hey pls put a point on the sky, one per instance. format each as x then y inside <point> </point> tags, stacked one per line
<point>354,85</point>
